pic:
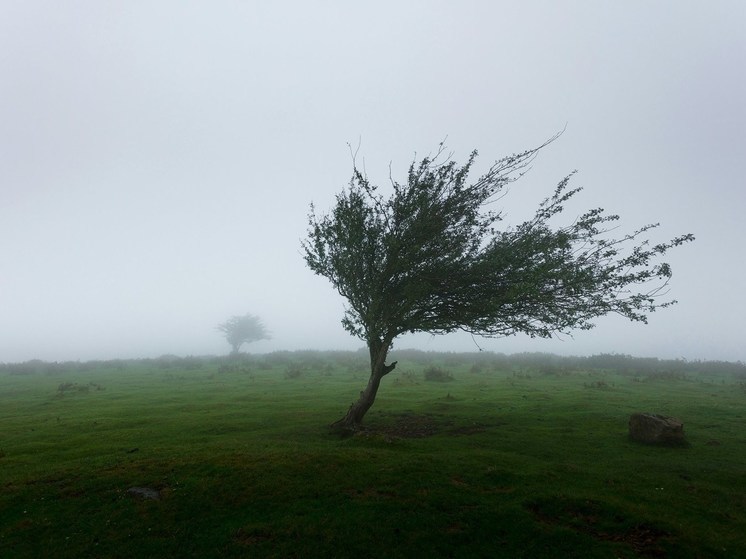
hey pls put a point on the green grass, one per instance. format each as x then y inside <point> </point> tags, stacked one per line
<point>505,460</point>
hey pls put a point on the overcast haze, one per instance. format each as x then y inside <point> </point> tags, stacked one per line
<point>157,159</point>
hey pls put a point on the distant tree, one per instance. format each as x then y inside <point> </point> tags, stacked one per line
<point>244,329</point>
<point>430,258</point>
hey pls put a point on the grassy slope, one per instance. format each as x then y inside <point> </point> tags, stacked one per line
<point>516,464</point>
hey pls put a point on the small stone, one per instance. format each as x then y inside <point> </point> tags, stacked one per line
<point>144,493</point>
<point>653,428</point>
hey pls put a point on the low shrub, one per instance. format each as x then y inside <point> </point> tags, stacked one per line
<point>75,387</point>
<point>436,374</point>
<point>293,371</point>
<point>599,384</point>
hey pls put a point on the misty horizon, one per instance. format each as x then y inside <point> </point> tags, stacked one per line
<point>158,161</point>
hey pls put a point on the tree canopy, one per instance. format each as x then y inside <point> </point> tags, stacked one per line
<point>239,330</point>
<point>433,256</point>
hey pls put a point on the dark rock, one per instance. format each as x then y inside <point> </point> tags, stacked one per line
<point>652,428</point>
<point>144,493</point>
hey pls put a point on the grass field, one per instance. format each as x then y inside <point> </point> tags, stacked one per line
<point>505,457</point>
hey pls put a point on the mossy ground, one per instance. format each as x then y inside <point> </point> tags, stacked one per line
<point>501,461</point>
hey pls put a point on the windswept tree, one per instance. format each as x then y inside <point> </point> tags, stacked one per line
<point>239,330</point>
<point>432,257</point>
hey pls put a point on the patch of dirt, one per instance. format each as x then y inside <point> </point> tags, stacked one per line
<point>601,522</point>
<point>370,493</point>
<point>409,425</point>
<point>252,536</point>
<point>472,429</point>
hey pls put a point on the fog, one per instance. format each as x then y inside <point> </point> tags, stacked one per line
<point>157,159</point>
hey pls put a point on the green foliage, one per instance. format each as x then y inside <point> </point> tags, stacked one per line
<point>430,257</point>
<point>239,330</point>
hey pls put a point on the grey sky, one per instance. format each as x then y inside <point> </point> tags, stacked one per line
<point>157,159</point>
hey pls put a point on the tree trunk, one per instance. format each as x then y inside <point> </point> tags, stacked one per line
<point>378,369</point>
